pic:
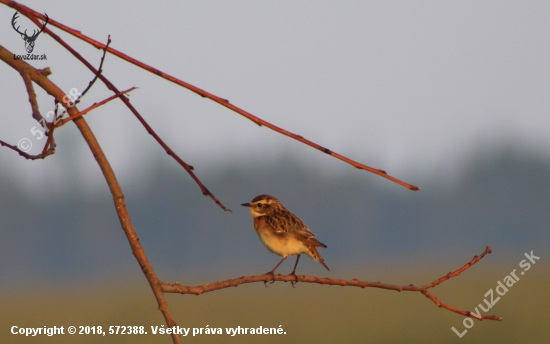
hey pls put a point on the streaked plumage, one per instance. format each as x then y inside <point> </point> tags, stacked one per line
<point>282,232</point>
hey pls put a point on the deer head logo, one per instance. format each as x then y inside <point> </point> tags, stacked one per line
<point>29,40</point>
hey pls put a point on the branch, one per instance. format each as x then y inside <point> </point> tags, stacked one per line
<point>198,290</point>
<point>223,102</point>
<point>31,14</point>
<point>118,196</point>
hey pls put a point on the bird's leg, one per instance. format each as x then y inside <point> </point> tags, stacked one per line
<point>272,271</point>
<point>294,271</point>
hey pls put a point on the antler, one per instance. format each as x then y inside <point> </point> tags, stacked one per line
<point>13,24</point>
<point>34,34</point>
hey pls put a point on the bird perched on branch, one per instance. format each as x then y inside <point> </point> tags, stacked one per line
<point>282,232</point>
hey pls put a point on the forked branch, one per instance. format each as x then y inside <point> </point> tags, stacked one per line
<point>198,290</point>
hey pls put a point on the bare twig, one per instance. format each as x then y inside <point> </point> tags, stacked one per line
<point>99,71</point>
<point>459,271</point>
<point>45,152</point>
<point>92,107</point>
<point>198,290</point>
<point>224,102</point>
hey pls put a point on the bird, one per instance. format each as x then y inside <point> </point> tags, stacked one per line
<point>282,232</point>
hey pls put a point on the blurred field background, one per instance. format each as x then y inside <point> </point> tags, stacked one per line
<point>68,263</point>
<point>449,96</point>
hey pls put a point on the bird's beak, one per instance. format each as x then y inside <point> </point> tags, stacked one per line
<point>246,204</point>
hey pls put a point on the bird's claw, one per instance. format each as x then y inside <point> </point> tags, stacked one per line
<point>295,279</point>
<point>272,278</point>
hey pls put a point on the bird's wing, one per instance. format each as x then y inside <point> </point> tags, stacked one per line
<point>280,224</point>
<point>286,222</point>
<point>309,240</point>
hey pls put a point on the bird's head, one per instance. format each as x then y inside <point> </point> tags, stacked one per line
<point>263,205</point>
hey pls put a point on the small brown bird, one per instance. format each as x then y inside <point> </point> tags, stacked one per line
<point>282,232</point>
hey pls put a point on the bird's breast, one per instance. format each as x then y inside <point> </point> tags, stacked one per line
<point>281,243</point>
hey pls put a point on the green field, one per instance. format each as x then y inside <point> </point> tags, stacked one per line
<point>308,313</point>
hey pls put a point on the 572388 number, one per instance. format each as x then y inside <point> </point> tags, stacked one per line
<point>127,330</point>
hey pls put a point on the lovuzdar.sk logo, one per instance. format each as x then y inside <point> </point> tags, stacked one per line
<point>29,40</point>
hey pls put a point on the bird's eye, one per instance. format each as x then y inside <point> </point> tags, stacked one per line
<point>260,205</point>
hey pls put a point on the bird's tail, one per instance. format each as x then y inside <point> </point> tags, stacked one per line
<point>317,256</point>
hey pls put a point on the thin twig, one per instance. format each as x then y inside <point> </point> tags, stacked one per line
<point>198,290</point>
<point>93,106</point>
<point>90,84</point>
<point>50,141</point>
<point>459,271</point>
<point>45,152</point>
<point>99,71</point>
<point>224,102</point>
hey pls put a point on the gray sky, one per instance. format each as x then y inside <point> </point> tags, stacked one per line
<point>410,87</point>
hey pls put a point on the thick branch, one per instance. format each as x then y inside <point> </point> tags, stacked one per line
<point>224,102</point>
<point>198,290</point>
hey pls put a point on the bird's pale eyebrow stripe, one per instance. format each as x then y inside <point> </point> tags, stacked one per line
<point>265,198</point>
<point>263,201</point>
